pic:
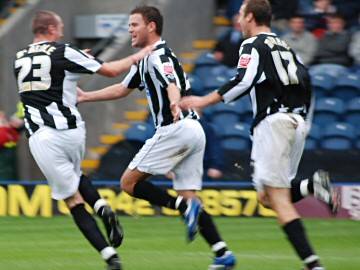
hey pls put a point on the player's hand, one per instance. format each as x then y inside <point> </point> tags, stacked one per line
<point>80,95</point>
<point>142,53</point>
<point>175,111</point>
<point>190,102</point>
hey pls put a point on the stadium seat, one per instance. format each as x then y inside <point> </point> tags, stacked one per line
<point>313,138</point>
<point>225,114</point>
<point>197,85</point>
<point>322,84</point>
<point>333,70</point>
<point>347,87</point>
<point>230,73</point>
<point>246,111</point>
<point>357,139</point>
<point>140,132</point>
<point>203,65</point>
<point>328,110</point>
<point>353,112</point>
<point>235,137</point>
<point>206,59</point>
<point>208,112</point>
<point>338,136</point>
<point>213,82</point>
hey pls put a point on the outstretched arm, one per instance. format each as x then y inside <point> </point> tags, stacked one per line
<point>200,102</point>
<point>111,92</point>
<point>115,68</point>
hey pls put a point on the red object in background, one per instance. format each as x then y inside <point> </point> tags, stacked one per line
<point>319,32</point>
<point>8,135</point>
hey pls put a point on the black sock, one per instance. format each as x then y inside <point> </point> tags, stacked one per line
<point>295,191</point>
<point>310,185</point>
<point>208,230</point>
<point>88,191</point>
<point>90,194</point>
<point>87,225</point>
<point>296,194</point>
<point>147,191</point>
<point>296,234</point>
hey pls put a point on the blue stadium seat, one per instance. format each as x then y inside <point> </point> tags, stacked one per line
<point>140,132</point>
<point>219,70</point>
<point>197,85</point>
<point>328,110</point>
<point>230,73</point>
<point>312,140</point>
<point>334,70</point>
<point>353,112</point>
<point>235,136</point>
<point>246,111</point>
<point>322,84</point>
<point>213,82</point>
<point>208,112</point>
<point>225,114</point>
<point>357,139</point>
<point>347,87</point>
<point>203,65</point>
<point>338,136</point>
<point>206,59</point>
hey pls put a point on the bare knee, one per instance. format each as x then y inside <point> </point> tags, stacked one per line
<point>127,185</point>
<point>264,199</point>
<point>280,200</point>
<point>130,178</point>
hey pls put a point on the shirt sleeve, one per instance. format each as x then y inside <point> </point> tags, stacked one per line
<point>77,61</point>
<point>244,80</point>
<point>164,70</point>
<point>133,79</point>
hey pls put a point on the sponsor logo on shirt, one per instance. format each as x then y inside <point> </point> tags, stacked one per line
<point>244,60</point>
<point>168,69</point>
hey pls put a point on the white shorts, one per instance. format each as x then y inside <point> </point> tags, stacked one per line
<point>179,148</point>
<point>278,144</point>
<point>58,154</point>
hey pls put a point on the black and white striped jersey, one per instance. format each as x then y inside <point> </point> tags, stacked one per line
<point>273,75</point>
<point>47,75</point>
<point>154,73</point>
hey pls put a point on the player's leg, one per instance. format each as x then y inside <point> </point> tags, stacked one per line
<point>134,183</point>
<point>187,180</point>
<point>288,218</point>
<point>277,148</point>
<point>92,197</point>
<point>87,225</point>
<point>223,257</point>
<point>62,149</point>
<point>158,156</point>
<point>319,186</point>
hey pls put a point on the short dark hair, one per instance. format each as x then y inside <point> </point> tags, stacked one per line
<point>42,20</point>
<point>336,15</point>
<point>150,14</point>
<point>261,9</point>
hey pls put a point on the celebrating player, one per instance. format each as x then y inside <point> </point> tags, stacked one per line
<point>47,72</point>
<point>279,86</point>
<point>179,142</point>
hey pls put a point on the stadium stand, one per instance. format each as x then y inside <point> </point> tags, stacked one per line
<point>338,136</point>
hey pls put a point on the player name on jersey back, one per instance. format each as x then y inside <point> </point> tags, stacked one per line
<point>41,48</point>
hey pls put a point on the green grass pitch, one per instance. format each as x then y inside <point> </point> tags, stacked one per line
<point>154,243</point>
